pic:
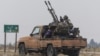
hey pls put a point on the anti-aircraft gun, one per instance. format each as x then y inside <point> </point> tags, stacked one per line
<point>52,12</point>
<point>55,19</point>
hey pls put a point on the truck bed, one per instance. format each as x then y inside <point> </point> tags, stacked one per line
<point>70,42</point>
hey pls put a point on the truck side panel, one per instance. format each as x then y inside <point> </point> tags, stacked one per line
<point>67,42</point>
<point>55,43</point>
<point>75,43</point>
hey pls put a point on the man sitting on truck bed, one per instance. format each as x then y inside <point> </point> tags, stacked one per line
<point>48,33</point>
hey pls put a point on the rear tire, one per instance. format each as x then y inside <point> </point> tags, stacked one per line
<point>50,51</point>
<point>22,51</point>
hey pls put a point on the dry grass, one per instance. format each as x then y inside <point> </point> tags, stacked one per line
<point>8,53</point>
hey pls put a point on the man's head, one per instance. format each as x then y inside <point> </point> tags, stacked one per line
<point>61,20</point>
<point>65,17</point>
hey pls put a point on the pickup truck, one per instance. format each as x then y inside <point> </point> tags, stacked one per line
<point>50,46</point>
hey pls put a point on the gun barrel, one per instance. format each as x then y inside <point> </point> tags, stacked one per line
<point>45,2</point>
<point>47,5</point>
<point>52,12</point>
<point>49,2</point>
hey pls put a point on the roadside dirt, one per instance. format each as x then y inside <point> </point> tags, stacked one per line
<point>11,53</point>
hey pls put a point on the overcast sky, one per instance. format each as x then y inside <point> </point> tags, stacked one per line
<point>84,14</point>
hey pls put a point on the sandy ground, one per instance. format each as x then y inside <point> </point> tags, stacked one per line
<point>41,55</point>
<point>82,53</point>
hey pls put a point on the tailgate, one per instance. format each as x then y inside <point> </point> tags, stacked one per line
<point>74,42</point>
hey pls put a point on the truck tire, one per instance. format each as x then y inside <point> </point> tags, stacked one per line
<point>51,51</point>
<point>22,50</point>
<point>73,53</point>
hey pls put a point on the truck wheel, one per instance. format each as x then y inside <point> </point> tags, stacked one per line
<point>51,51</point>
<point>21,50</point>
